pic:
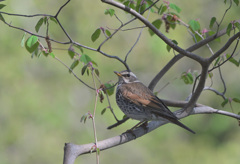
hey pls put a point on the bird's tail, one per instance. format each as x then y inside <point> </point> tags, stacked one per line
<point>182,125</point>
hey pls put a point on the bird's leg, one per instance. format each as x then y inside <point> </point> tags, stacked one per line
<point>142,124</point>
<point>118,123</point>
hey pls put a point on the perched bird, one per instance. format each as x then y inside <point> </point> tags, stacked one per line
<point>138,102</point>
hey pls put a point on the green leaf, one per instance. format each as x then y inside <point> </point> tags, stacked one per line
<point>236,24</point>
<point>32,44</point>
<point>45,53</point>
<point>236,2</point>
<point>190,77</point>
<point>32,40</point>
<point>229,29</point>
<point>162,9</point>
<point>97,72</point>
<point>236,100</point>
<point>224,102</point>
<point>232,60</point>
<point>2,6</point>
<point>45,19</point>
<point>84,69</point>
<point>194,25</point>
<point>52,54</point>
<point>98,151</point>
<point>210,33</point>
<point>212,21</point>
<point>103,111</point>
<point>96,35</point>
<point>71,52</point>
<point>210,74</point>
<point>109,88</point>
<point>197,38</point>
<point>110,12</point>
<point>175,7</point>
<point>39,24</point>
<point>53,19</point>
<point>84,118</point>
<point>217,61</point>
<point>74,64</point>
<point>169,48</point>
<point>108,33</point>
<point>157,23</point>
<point>187,77</point>
<point>85,59</point>
<point>1,18</point>
<point>23,39</point>
<point>129,4</point>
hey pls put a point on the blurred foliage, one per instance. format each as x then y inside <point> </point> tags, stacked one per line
<point>41,104</point>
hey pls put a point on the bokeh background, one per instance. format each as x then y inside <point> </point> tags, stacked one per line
<point>41,103</point>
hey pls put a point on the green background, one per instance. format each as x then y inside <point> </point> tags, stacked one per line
<point>41,103</point>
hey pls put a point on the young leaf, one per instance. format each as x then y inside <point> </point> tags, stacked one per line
<point>190,77</point>
<point>71,52</point>
<point>52,54</point>
<point>210,33</point>
<point>32,40</point>
<point>74,64</point>
<point>236,24</point>
<point>96,35</point>
<point>109,88</point>
<point>157,23</point>
<point>236,2</point>
<point>194,25</point>
<point>53,19</point>
<point>84,118</point>
<point>2,6</point>
<point>232,60</point>
<point>85,59</point>
<point>162,9</point>
<point>111,12</point>
<point>169,48</point>
<point>23,39</point>
<point>217,61</point>
<point>32,44</point>
<point>108,33</point>
<point>45,19</point>
<point>213,20</point>
<point>229,29</point>
<point>103,111</point>
<point>224,102</point>
<point>98,151</point>
<point>84,69</point>
<point>97,72</point>
<point>175,7</point>
<point>1,18</point>
<point>39,24</point>
<point>236,100</point>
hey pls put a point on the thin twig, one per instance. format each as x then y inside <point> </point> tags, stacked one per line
<point>93,117</point>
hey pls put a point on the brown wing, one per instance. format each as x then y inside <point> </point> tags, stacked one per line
<point>142,96</point>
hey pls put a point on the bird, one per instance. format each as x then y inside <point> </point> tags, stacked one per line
<point>138,102</point>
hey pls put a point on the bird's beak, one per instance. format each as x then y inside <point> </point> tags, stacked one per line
<point>117,73</point>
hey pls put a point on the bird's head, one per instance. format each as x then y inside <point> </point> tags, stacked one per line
<point>126,77</point>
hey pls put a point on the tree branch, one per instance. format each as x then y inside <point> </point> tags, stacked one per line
<point>176,58</point>
<point>72,151</point>
<point>155,30</point>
